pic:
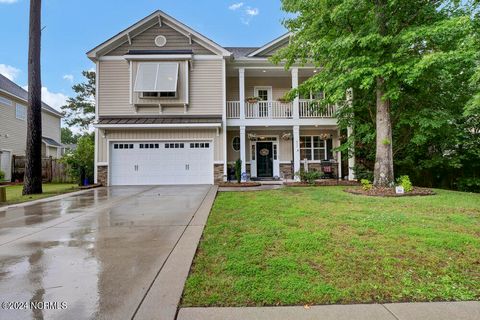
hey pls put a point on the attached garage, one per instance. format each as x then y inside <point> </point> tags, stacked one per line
<point>161,162</point>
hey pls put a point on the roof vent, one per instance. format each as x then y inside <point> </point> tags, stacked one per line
<point>160,41</point>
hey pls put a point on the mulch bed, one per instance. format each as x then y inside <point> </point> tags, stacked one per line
<point>320,183</point>
<point>390,192</point>
<point>239,185</point>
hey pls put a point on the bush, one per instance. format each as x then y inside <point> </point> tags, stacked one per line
<point>2,175</point>
<point>81,161</point>
<point>366,184</point>
<point>238,170</point>
<point>469,184</point>
<point>405,182</point>
<point>309,176</point>
<point>362,172</point>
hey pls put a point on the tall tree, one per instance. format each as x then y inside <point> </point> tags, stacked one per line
<point>68,137</point>
<point>80,110</point>
<point>33,165</point>
<point>379,47</point>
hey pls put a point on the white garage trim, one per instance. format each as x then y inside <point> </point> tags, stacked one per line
<point>149,162</point>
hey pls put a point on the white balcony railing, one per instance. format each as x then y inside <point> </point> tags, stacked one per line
<point>268,110</point>
<point>233,109</point>
<point>310,109</point>
<point>279,110</point>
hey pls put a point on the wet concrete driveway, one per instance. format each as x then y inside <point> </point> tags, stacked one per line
<point>95,255</point>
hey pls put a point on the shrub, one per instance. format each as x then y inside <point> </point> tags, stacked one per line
<point>366,184</point>
<point>405,182</point>
<point>2,175</point>
<point>238,170</point>
<point>362,172</point>
<point>309,176</point>
<point>469,184</point>
<point>81,161</point>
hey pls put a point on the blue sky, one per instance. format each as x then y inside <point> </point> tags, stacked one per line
<point>72,27</point>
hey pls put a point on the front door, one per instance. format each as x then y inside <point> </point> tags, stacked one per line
<point>264,159</point>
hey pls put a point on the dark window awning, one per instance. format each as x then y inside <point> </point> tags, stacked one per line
<point>174,121</point>
<point>51,142</point>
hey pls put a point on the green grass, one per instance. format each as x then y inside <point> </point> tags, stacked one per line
<point>14,193</point>
<point>298,246</point>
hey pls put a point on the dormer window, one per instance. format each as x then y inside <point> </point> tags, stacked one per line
<point>157,79</point>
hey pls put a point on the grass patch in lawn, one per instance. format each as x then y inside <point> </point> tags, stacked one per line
<point>297,246</point>
<point>14,193</point>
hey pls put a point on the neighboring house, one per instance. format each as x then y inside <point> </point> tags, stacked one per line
<point>171,109</point>
<point>13,126</point>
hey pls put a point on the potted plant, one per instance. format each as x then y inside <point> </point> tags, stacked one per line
<point>252,99</point>
<point>284,99</point>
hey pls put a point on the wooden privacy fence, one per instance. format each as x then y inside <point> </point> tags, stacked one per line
<point>52,170</point>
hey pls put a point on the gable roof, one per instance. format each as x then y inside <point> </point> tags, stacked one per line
<point>157,17</point>
<point>241,52</point>
<point>272,45</point>
<point>13,89</point>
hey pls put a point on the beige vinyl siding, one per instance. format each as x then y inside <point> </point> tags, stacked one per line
<point>16,129</point>
<point>205,90</point>
<point>280,86</point>
<point>160,134</point>
<point>51,126</point>
<point>206,87</point>
<point>146,41</point>
<point>114,86</point>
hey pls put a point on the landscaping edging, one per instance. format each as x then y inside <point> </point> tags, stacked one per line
<point>240,185</point>
<point>390,192</point>
<point>323,183</point>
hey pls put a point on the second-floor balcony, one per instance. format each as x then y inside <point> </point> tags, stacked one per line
<point>280,110</point>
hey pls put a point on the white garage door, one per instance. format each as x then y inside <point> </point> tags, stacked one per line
<point>156,163</point>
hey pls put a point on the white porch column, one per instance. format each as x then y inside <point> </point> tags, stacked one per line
<point>243,153</point>
<point>241,82</point>
<point>351,156</point>
<point>296,151</point>
<point>296,101</point>
<point>339,157</point>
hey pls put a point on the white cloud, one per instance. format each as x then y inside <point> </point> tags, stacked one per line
<point>8,1</point>
<point>248,15</point>
<point>8,71</point>
<point>54,100</point>
<point>68,77</point>
<point>236,6</point>
<point>252,11</point>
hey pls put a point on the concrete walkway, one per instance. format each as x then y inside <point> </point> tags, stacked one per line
<point>392,311</point>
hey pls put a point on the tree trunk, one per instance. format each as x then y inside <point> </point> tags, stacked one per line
<point>33,165</point>
<point>383,174</point>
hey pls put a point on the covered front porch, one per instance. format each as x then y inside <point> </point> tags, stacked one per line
<point>277,153</point>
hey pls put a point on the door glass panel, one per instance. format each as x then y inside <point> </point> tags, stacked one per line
<point>263,94</point>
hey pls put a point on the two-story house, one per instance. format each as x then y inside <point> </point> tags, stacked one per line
<point>13,126</point>
<point>173,108</point>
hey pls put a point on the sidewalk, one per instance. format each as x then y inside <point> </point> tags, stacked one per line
<point>469,310</point>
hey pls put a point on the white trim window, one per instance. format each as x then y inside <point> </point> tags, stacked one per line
<point>157,79</point>
<point>20,111</point>
<point>264,93</point>
<point>313,148</point>
<point>236,144</point>
<point>6,101</point>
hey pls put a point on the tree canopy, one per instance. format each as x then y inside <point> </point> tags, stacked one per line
<point>412,60</point>
<point>80,110</point>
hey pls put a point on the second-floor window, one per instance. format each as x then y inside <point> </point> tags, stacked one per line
<point>20,112</point>
<point>157,79</point>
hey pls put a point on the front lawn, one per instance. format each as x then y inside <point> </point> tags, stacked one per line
<point>297,246</point>
<point>14,193</point>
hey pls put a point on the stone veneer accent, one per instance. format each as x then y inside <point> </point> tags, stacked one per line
<point>286,171</point>
<point>102,175</point>
<point>318,167</point>
<point>218,173</point>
